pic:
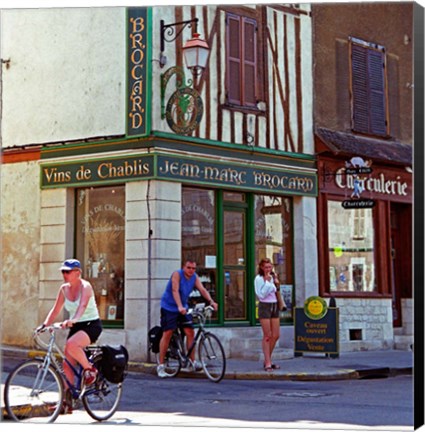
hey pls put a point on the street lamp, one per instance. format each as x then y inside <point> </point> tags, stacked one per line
<point>195,53</point>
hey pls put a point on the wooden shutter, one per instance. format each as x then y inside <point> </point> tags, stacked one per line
<point>376,63</point>
<point>234,93</point>
<point>368,90</point>
<point>241,48</point>
<point>249,61</point>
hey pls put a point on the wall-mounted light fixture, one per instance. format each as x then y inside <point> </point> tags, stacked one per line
<point>195,50</point>
<point>185,108</point>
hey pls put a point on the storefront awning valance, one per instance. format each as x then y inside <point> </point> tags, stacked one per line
<point>346,144</point>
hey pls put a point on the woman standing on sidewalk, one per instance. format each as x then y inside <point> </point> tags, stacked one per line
<point>266,283</point>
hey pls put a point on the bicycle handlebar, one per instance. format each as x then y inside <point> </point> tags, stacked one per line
<point>43,329</point>
<point>201,311</point>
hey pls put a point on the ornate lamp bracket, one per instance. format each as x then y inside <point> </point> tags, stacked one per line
<point>169,33</point>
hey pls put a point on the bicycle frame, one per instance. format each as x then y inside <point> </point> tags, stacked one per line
<point>50,359</point>
<point>185,356</point>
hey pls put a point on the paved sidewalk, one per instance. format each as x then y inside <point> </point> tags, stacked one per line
<point>312,367</point>
<point>309,367</point>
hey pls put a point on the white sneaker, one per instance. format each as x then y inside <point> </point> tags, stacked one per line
<point>193,366</point>
<point>160,370</point>
<point>196,366</point>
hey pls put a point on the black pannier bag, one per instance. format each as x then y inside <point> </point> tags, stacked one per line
<point>154,337</point>
<point>114,363</point>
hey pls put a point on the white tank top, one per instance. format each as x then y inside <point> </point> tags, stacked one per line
<point>91,313</point>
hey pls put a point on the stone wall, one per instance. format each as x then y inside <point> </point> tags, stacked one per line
<point>154,206</point>
<point>365,324</point>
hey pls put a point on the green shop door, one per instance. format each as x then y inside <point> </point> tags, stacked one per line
<point>234,265</point>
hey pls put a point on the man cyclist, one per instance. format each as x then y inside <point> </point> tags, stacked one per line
<point>174,309</point>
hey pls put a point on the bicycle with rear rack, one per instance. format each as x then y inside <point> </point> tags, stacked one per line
<point>210,350</point>
<point>34,390</point>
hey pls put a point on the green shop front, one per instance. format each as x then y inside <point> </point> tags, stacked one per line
<point>224,207</point>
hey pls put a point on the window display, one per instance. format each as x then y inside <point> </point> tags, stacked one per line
<point>351,249</point>
<point>100,236</point>
<point>273,239</point>
<point>198,236</point>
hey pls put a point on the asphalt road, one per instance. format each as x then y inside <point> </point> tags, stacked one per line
<point>178,404</point>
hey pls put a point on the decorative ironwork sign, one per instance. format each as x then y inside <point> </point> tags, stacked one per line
<point>137,74</point>
<point>184,110</point>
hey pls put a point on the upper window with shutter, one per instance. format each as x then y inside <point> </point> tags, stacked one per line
<point>241,60</point>
<point>368,88</point>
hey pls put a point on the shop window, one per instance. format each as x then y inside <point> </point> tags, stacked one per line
<point>368,88</point>
<point>234,264</point>
<point>100,236</point>
<point>273,239</point>
<point>198,236</point>
<point>351,249</point>
<point>241,60</point>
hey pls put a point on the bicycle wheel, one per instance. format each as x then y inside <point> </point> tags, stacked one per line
<point>33,393</point>
<point>212,357</point>
<point>102,401</point>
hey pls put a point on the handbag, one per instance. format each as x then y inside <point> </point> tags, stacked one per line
<point>280,302</point>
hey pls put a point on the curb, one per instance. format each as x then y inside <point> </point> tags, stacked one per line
<point>341,374</point>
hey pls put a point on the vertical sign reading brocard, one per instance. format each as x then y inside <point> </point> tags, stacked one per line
<point>137,71</point>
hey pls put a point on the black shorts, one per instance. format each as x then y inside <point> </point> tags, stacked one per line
<point>268,310</point>
<point>171,320</point>
<point>92,328</point>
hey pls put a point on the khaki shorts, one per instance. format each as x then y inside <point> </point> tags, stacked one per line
<point>268,310</point>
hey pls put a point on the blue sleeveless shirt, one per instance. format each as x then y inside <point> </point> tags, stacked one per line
<point>186,286</point>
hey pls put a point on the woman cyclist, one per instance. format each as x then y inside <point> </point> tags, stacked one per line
<point>77,296</point>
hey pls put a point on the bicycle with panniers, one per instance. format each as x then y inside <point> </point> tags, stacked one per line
<point>35,390</point>
<point>210,350</point>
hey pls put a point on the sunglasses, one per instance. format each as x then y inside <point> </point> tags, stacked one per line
<point>191,268</point>
<point>67,271</point>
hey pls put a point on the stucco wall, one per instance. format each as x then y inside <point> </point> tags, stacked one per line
<point>20,251</point>
<point>65,76</point>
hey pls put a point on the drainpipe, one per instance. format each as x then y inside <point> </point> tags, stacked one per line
<point>149,263</point>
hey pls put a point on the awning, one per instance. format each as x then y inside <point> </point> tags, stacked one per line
<point>348,145</point>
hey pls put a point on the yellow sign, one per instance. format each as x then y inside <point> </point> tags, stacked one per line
<point>338,251</point>
<point>315,307</point>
